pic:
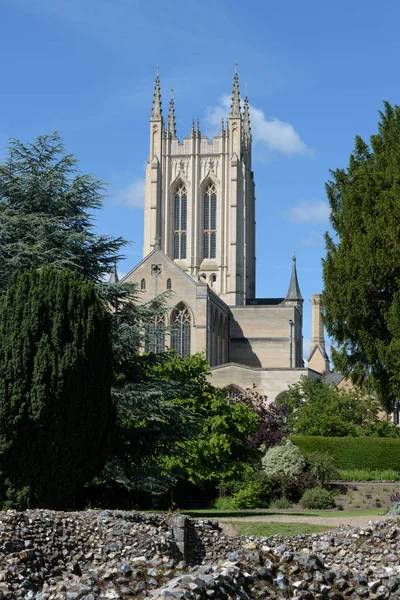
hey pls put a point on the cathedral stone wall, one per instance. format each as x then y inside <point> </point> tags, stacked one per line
<point>260,336</point>
<point>270,382</point>
<point>184,291</point>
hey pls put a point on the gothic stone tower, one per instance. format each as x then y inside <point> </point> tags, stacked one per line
<point>200,200</point>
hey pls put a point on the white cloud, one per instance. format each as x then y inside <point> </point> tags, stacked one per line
<point>132,195</point>
<point>310,212</point>
<point>273,134</point>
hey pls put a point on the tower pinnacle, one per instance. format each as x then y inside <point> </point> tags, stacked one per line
<point>114,275</point>
<point>156,113</point>
<point>235,105</point>
<point>246,119</point>
<point>294,288</point>
<point>171,117</point>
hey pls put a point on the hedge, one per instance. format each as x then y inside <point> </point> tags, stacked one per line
<point>354,452</point>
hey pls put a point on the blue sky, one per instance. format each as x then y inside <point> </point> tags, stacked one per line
<point>317,73</point>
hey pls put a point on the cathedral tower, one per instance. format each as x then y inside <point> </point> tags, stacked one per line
<point>200,199</point>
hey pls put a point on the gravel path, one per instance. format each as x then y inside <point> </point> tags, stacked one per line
<point>360,521</point>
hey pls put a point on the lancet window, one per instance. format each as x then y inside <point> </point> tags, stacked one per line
<point>210,222</point>
<point>155,335</point>
<point>180,222</point>
<point>180,330</point>
<point>143,285</point>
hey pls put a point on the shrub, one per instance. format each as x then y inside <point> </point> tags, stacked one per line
<point>318,498</point>
<point>368,475</point>
<point>222,503</point>
<point>322,467</point>
<point>292,488</point>
<point>249,496</point>
<point>281,503</point>
<point>372,453</point>
<point>285,460</point>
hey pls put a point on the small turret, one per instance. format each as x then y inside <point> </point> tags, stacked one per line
<point>246,121</point>
<point>171,118</point>
<point>294,293</point>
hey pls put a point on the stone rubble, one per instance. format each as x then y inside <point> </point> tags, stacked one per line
<point>111,555</point>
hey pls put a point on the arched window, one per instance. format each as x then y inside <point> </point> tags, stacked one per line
<point>155,335</point>
<point>180,222</point>
<point>143,284</point>
<point>169,284</point>
<point>210,222</point>
<point>180,330</point>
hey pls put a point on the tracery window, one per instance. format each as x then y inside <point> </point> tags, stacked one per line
<point>180,222</point>
<point>180,330</point>
<point>210,222</point>
<point>155,335</point>
<point>143,284</point>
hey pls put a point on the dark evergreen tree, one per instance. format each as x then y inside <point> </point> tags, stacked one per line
<point>362,264</point>
<point>46,212</point>
<point>56,412</point>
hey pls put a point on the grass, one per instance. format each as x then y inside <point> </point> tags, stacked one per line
<point>267,529</point>
<point>368,475</point>
<point>214,514</point>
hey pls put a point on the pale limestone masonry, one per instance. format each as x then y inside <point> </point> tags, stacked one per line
<point>318,359</point>
<point>199,242</point>
<point>195,163</point>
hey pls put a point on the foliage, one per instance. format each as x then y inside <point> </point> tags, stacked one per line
<point>394,510</point>
<point>272,418</point>
<point>55,374</point>
<point>291,488</point>
<point>355,452</point>
<point>317,408</point>
<point>285,460</point>
<point>368,475</point>
<point>222,503</point>
<point>221,451</point>
<point>249,496</point>
<point>362,266</point>
<point>317,498</point>
<point>322,467</point>
<point>281,504</point>
<point>46,212</point>
<point>149,425</point>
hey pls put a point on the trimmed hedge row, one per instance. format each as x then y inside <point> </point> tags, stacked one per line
<point>354,452</point>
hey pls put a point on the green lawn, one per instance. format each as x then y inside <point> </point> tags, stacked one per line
<point>214,514</point>
<point>267,529</point>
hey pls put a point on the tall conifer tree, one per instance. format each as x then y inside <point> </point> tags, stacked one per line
<point>362,264</point>
<point>46,212</point>
<point>56,412</point>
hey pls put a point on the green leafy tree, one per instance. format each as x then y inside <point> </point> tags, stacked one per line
<point>317,408</point>
<point>56,412</point>
<point>149,423</point>
<point>46,212</point>
<point>362,265</point>
<point>222,450</point>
